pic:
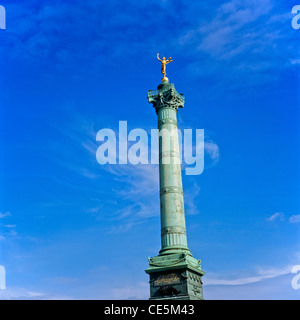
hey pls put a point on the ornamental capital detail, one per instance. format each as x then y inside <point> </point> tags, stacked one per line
<point>165,97</point>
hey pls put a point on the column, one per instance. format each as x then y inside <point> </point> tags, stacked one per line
<point>166,102</point>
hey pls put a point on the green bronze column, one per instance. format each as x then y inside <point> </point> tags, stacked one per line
<point>166,102</point>
<point>174,274</point>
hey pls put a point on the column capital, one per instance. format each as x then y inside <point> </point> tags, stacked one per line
<point>165,97</point>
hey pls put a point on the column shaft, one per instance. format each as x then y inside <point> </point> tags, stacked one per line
<point>173,229</point>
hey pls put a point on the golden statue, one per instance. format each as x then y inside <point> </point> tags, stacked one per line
<point>164,62</point>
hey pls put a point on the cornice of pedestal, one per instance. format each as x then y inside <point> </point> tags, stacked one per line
<point>165,97</point>
<point>182,260</point>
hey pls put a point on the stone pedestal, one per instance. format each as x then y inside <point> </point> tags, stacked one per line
<point>175,277</point>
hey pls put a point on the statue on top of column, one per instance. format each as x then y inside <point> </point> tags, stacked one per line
<point>164,62</point>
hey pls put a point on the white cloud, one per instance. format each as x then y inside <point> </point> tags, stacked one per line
<point>4,215</point>
<point>279,216</point>
<point>294,218</point>
<point>212,150</point>
<point>261,274</point>
<point>220,35</point>
<point>276,216</point>
<point>244,43</point>
<point>123,227</point>
<point>265,283</point>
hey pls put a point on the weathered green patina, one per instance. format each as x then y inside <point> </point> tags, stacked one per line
<point>174,274</point>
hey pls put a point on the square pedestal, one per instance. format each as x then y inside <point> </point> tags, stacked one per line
<point>175,277</point>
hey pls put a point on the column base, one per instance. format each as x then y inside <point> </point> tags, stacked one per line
<point>174,250</point>
<point>176,276</point>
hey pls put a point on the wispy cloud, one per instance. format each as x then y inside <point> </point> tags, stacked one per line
<point>5,214</point>
<point>260,275</point>
<point>212,149</point>
<point>123,227</point>
<point>139,184</point>
<point>12,232</point>
<point>244,43</point>
<point>232,18</point>
<point>280,216</point>
<point>276,216</point>
<point>294,218</point>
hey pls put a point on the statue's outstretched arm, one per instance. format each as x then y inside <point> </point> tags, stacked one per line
<point>158,57</point>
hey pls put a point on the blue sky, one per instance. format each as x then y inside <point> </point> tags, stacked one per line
<point>70,227</point>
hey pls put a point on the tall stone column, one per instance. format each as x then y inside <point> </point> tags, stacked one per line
<point>174,273</point>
